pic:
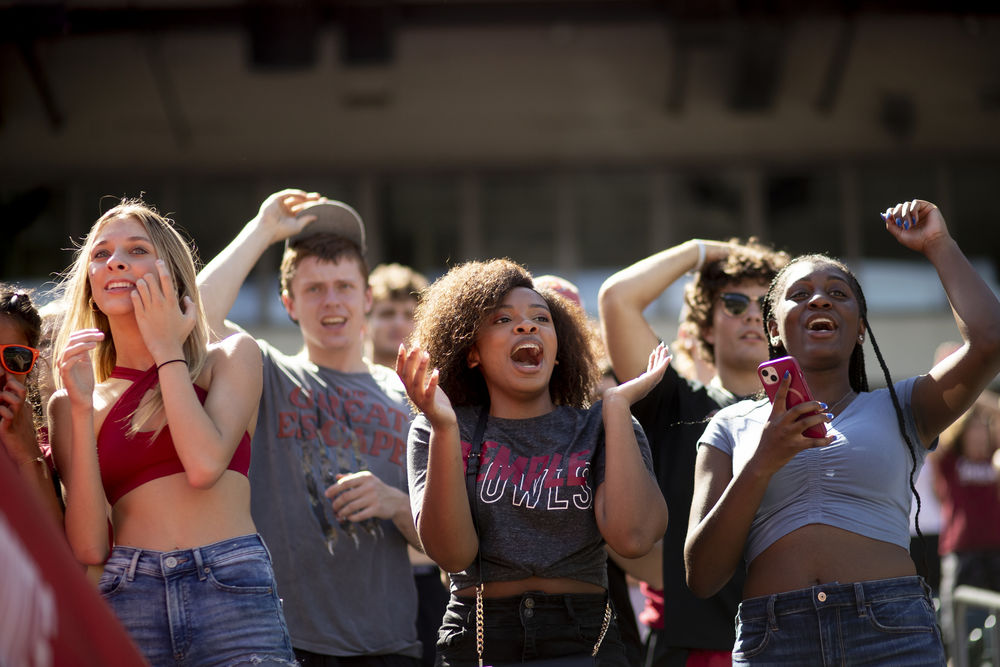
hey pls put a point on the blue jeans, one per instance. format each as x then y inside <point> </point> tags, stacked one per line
<point>211,605</point>
<point>532,625</point>
<point>882,622</point>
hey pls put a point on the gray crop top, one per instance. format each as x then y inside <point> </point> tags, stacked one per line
<point>860,482</point>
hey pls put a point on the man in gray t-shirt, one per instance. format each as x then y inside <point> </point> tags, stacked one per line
<point>327,473</point>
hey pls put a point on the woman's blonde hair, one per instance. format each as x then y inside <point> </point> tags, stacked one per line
<point>82,313</point>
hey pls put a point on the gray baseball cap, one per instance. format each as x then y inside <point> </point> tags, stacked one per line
<point>332,217</point>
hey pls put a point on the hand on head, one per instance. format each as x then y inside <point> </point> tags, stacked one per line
<point>277,214</point>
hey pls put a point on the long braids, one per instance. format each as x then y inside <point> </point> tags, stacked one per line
<point>858,378</point>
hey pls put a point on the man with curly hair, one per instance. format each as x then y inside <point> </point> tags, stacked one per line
<point>723,303</point>
<point>328,456</point>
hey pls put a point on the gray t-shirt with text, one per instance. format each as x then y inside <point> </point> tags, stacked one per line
<point>347,587</point>
<point>535,492</point>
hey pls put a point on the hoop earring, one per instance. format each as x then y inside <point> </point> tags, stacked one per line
<point>93,306</point>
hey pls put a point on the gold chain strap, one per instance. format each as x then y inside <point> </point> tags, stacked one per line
<point>479,623</point>
<point>480,644</point>
<point>604,629</point>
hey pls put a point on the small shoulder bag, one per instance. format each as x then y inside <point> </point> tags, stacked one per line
<point>471,472</point>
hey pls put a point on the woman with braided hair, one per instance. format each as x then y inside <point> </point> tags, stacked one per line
<point>822,523</point>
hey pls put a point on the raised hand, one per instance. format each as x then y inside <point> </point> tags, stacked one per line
<point>17,427</point>
<point>422,387</point>
<point>915,224</point>
<point>75,367</point>
<point>637,387</point>
<point>162,322</point>
<point>277,214</point>
<point>782,437</point>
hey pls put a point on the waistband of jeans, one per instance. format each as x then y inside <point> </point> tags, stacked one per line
<point>834,594</point>
<point>183,560</point>
<point>572,602</point>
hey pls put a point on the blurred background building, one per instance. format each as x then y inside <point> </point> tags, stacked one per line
<point>575,136</point>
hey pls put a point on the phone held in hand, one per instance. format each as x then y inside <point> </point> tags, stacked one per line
<point>770,374</point>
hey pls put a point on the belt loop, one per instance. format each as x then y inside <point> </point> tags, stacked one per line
<point>130,574</point>
<point>859,598</point>
<point>772,620</point>
<point>199,564</point>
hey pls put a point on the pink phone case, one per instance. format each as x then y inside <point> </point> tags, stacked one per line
<point>771,372</point>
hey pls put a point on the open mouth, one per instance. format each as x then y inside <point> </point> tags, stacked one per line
<point>821,324</point>
<point>527,355</point>
<point>332,321</point>
<point>118,285</point>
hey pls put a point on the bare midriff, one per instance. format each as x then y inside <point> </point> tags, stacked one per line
<point>167,514</point>
<point>556,586</point>
<point>820,554</point>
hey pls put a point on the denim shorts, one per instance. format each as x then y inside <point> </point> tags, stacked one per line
<point>211,605</point>
<point>529,626</point>
<point>880,622</point>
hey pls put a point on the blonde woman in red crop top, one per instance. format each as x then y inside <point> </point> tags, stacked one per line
<point>149,428</point>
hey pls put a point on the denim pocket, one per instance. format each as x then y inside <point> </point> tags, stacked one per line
<point>112,581</point>
<point>246,573</point>
<point>912,614</point>
<point>752,638</point>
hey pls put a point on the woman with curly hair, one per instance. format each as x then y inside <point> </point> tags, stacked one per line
<point>822,523</point>
<point>513,373</point>
<point>150,429</point>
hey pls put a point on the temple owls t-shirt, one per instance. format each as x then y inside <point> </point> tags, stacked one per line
<point>535,492</point>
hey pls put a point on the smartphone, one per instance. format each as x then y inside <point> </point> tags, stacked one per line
<point>771,372</point>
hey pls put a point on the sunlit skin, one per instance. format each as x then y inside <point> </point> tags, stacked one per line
<point>132,286</point>
<point>329,301</point>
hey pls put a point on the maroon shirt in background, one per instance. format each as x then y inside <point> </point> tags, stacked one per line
<point>970,504</point>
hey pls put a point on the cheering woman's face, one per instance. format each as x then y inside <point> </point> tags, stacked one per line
<point>816,314</point>
<point>516,345</point>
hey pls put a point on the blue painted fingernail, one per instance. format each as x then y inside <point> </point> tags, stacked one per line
<point>882,215</point>
<point>899,223</point>
<point>785,376</point>
<point>823,406</point>
<point>906,224</point>
<point>829,415</point>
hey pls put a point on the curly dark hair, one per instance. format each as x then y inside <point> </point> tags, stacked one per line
<point>750,260</point>
<point>452,309</point>
<point>856,370</point>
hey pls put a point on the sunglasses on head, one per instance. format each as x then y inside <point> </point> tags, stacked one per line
<point>18,359</point>
<point>735,303</point>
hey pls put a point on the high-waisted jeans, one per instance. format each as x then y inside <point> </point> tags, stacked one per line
<point>880,622</point>
<point>531,625</point>
<point>211,605</point>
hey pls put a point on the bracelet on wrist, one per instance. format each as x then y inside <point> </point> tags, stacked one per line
<point>171,361</point>
<point>701,257</point>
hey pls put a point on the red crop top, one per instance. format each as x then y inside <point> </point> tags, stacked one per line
<point>127,463</point>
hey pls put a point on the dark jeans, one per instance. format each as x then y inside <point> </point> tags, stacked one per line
<point>532,625</point>
<point>307,659</point>
<point>432,599</point>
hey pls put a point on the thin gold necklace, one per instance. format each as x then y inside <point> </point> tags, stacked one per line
<point>843,398</point>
